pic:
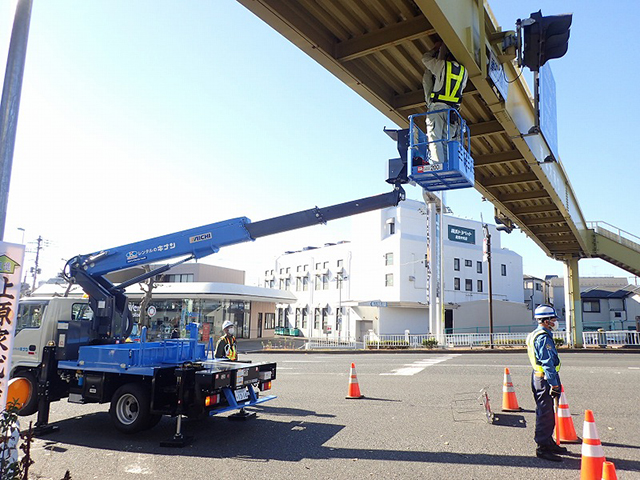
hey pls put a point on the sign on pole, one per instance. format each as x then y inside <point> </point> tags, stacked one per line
<point>11,261</point>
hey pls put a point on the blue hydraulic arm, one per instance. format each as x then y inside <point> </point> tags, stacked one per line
<point>112,319</point>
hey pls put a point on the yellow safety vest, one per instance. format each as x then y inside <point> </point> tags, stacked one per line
<point>233,352</point>
<point>531,351</point>
<point>450,93</point>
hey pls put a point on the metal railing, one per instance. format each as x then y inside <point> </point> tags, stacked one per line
<point>451,340</point>
<point>617,338</point>
<point>331,343</point>
<point>616,234</point>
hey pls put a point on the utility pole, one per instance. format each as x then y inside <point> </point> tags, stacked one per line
<point>487,258</point>
<point>10,104</point>
<point>36,270</point>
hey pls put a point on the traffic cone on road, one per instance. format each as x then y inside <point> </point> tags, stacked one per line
<point>609,471</point>
<point>354,388</point>
<point>509,400</point>
<point>566,431</point>
<point>592,451</point>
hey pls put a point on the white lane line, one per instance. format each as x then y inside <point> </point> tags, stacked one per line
<point>419,365</point>
<point>634,368</point>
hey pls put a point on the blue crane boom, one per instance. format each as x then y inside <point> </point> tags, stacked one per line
<point>112,319</point>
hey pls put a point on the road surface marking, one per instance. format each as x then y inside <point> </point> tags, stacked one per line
<point>419,365</point>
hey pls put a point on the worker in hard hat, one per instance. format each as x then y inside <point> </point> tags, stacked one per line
<point>545,381</point>
<point>227,346</point>
<point>443,82</point>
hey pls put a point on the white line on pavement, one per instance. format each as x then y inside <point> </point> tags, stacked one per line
<point>419,365</point>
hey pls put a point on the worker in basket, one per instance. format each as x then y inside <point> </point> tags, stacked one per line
<point>443,81</point>
<point>227,346</point>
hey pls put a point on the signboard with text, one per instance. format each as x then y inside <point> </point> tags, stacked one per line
<point>11,261</point>
<point>547,107</point>
<point>461,234</point>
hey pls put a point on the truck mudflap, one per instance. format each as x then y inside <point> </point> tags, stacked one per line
<point>239,399</point>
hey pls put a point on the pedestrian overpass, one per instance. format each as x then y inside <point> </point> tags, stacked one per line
<point>375,47</point>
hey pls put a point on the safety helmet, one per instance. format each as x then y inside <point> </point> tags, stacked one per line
<point>544,312</point>
<point>226,324</point>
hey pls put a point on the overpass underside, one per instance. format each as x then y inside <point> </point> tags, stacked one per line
<point>376,46</point>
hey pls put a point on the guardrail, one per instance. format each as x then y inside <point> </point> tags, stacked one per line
<point>451,340</point>
<point>616,234</point>
<point>617,338</point>
<point>330,343</point>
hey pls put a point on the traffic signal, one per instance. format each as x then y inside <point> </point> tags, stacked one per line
<point>503,223</point>
<point>544,38</point>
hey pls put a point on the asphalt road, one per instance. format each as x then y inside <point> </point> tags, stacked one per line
<point>420,419</point>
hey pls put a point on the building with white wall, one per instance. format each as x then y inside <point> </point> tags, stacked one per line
<point>378,281</point>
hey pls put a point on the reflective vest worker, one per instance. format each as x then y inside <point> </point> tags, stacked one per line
<point>443,82</point>
<point>545,381</point>
<point>227,346</point>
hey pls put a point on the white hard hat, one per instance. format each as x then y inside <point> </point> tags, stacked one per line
<point>226,324</point>
<point>543,312</point>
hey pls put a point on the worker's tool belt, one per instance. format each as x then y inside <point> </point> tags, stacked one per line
<point>539,374</point>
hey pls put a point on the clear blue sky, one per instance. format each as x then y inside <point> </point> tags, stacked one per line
<point>147,117</point>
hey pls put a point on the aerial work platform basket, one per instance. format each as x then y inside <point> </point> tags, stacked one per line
<point>434,174</point>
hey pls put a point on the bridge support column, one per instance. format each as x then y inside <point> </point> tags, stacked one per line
<point>573,303</point>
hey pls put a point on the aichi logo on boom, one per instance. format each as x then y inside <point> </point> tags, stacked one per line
<point>201,237</point>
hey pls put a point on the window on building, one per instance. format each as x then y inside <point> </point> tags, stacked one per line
<point>287,283</point>
<point>281,284</point>
<point>325,318</point>
<point>503,270</point>
<point>456,283</point>
<point>318,266</point>
<point>592,306</point>
<point>388,280</point>
<point>304,318</point>
<point>298,317</point>
<point>269,321</point>
<point>479,267</point>
<point>306,267</point>
<point>391,226</point>
<point>456,264</point>
<point>298,284</point>
<point>318,282</point>
<point>266,273</point>
<point>539,287</point>
<point>388,259</point>
<point>299,268</point>
<point>281,271</point>
<point>468,285</point>
<point>468,263</point>
<point>325,282</point>
<point>280,317</point>
<point>288,270</point>
<point>340,263</point>
<point>272,283</point>
<point>316,319</point>
<point>177,278</point>
<point>528,284</point>
<point>287,320</point>
<point>325,265</point>
<point>305,284</point>
<point>479,285</point>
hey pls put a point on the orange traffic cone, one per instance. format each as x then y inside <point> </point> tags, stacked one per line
<point>509,400</point>
<point>592,451</point>
<point>354,388</point>
<point>609,471</point>
<point>566,431</point>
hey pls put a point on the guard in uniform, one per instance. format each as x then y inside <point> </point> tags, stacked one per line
<point>443,81</point>
<point>227,346</point>
<point>545,381</point>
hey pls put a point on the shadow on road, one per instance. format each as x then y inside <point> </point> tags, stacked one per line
<point>264,440</point>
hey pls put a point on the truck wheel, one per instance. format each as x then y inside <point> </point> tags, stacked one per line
<point>30,405</point>
<point>130,408</point>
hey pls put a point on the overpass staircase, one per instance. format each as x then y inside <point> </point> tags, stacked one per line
<point>615,246</point>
